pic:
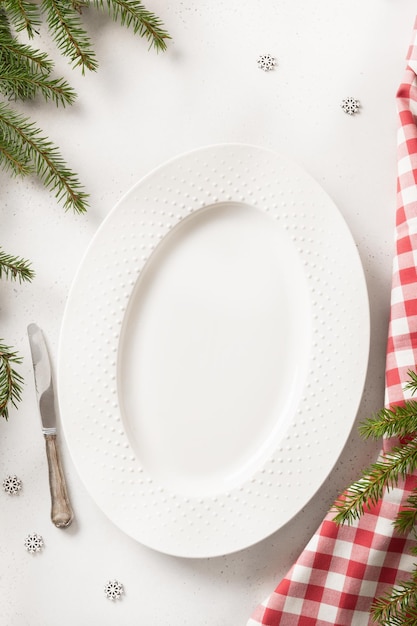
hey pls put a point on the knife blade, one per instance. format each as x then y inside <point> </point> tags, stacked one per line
<point>61,511</point>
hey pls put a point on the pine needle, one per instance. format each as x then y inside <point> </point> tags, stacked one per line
<point>11,381</point>
<point>72,40</point>
<point>17,55</point>
<point>26,73</point>
<point>13,158</point>
<point>132,14</point>
<point>25,84</point>
<point>411,385</point>
<point>24,15</point>
<point>396,421</point>
<point>369,489</point>
<point>398,606</point>
<point>406,519</point>
<point>42,157</point>
<point>15,268</point>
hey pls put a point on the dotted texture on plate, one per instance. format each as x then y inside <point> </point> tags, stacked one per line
<point>308,447</point>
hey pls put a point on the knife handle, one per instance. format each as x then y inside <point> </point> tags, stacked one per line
<point>61,512</point>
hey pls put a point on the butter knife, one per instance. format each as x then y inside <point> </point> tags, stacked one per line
<point>61,511</point>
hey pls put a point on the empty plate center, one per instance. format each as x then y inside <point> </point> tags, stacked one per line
<point>214,349</point>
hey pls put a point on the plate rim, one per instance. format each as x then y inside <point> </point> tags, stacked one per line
<point>203,549</point>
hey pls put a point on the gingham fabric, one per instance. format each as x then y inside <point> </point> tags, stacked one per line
<point>343,568</point>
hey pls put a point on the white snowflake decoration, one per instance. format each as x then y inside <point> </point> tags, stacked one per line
<point>33,543</point>
<point>266,62</point>
<point>350,106</point>
<point>113,590</point>
<point>12,485</point>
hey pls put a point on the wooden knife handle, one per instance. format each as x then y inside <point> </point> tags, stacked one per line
<point>61,511</point>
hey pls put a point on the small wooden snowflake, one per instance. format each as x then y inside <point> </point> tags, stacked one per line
<point>113,590</point>
<point>12,485</point>
<point>350,105</point>
<point>33,543</point>
<point>266,62</point>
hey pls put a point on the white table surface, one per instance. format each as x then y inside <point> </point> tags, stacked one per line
<point>137,111</point>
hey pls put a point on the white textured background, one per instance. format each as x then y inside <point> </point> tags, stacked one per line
<point>138,110</point>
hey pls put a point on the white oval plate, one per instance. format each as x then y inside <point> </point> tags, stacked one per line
<point>213,351</point>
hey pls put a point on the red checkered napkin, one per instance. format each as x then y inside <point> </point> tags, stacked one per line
<point>343,568</point>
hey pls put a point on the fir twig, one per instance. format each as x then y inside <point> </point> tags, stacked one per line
<point>41,157</point>
<point>13,158</point>
<point>411,384</point>
<point>11,381</point>
<point>406,520</point>
<point>383,474</point>
<point>24,15</point>
<point>15,268</point>
<point>17,55</point>
<point>132,14</point>
<point>397,421</point>
<point>26,73</point>
<point>20,83</point>
<point>14,54</point>
<point>398,606</point>
<point>64,22</point>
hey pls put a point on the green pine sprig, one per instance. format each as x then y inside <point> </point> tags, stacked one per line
<point>10,380</point>
<point>17,55</point>
<point>397,421</point>
<point>398,606</point>
<point>72,40</point>
<point>15,268</point>
<point>27,73</point>
<point>132,14</point>
<point>406,520</point>
<point>19,83</point>
<point>36,154</point>
<point>385,473</point>
<point>411,384</point>
<point>24,15</point>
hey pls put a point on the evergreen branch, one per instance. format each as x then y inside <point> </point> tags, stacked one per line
<point>411,385</point>
<point>69,35</point>
<point>132,14</point>
<point>397,607</point>
<point>13,158</point>
<point>384,474</point>
<point>406,520</point>
<point>397,421</point>
<point>10,380</point>
<point>24,15</point>
<point>5,28</point>
<point>15,268</point>
<point>43,157</point>
<point>15,54</point>
<point>24,71</point>
<point>20,83</point>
